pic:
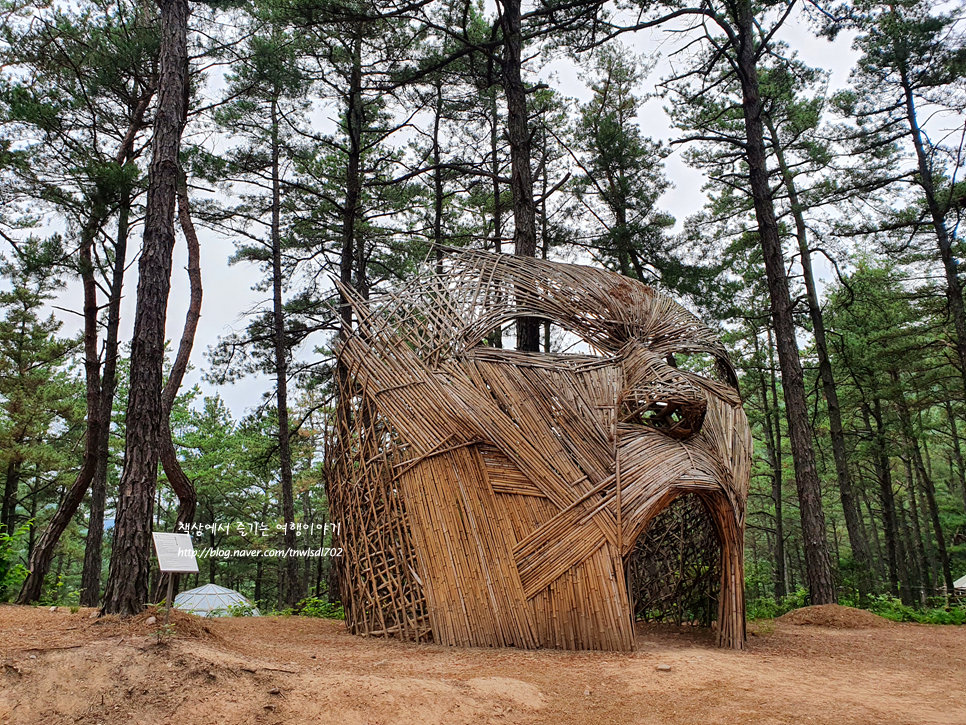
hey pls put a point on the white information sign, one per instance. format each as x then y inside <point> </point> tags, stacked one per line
<point>176,554</point>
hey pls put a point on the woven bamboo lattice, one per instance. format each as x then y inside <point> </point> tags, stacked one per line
<point>495,498</point>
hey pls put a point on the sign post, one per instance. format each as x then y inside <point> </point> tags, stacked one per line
<point>176,555</point>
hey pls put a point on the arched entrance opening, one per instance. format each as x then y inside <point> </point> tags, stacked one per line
<point>674,570</point>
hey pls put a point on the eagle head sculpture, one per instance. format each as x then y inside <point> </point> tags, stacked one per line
<point>492,497</point>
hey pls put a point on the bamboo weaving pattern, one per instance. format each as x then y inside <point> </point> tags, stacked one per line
<point>491,497</point>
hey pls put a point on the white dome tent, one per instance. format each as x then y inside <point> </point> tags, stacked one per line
<point>211,600</point>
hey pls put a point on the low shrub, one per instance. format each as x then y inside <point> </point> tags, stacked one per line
<point>242,609</point>
<point>316,607</point>
<point>769,608</point>
<point>892,608</point>
<point>12,572</point>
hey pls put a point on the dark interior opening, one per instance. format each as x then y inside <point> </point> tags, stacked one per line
<point>674,571</point>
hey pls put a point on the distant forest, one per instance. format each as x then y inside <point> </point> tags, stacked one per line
<point>354,140</point>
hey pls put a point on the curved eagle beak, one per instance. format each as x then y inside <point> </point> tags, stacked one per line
<point>661,396</point>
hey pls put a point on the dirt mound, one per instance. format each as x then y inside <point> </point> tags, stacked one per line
<point>834,616</point>
<point>181,624</point>
<point>30,628</point>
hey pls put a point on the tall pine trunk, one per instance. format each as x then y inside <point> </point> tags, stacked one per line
<point>773,450</point>
<point>898,571</point>
<point>10,489</point>
<point>957,450</point>
<point>354,125</point>
<point>495,338</point>
<point>183,488</point>
<point>91,574</point>
<point>954,288</point>
<point>850,508</point>
<point>929,488</point>
<point>42,553</point>
<point>880,558</point>
<point>521,174</point>
<point>918,556</point>
<point>817,561</point>
<point>438,176</point>
<point>128,581</point>
<point>291,590</point>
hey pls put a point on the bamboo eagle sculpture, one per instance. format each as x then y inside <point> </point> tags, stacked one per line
<point>491,497</point>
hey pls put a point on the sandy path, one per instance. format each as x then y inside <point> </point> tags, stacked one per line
<point>63,668</point>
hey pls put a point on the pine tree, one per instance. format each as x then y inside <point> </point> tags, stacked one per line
<point>913,63</point>
<point>623,175</point>
<point>127,583</point>
<point>37,393</point>
<point>265,91</point>
<point>78,102</point>
<point>735,39</point>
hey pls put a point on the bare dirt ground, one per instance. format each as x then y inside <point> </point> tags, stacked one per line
<point>821,665</point>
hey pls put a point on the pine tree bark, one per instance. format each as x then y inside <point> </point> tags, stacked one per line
<point>90,594</point>
<point>880,558</point>
<point>817,561</point>
<point>857,542</point>
<point>918,555</point>
<point>957,449</point>
<point>128,581</point>
<point>778,484</point>
<point>954,288</point>
<point>898,571</point>
<point>495,170</point>
<point>10,487</point>
<point>291,593</point>
<point>773,451</point>
<point>42,554</point>
<point>929,488</point>
<point>350,255</point>
<point>521,175</point>
<point>354,124</point>
<point>495,338</point>
<point>91,574</point>
<point>913,564</point>
<point>922,522</point>
<point>438,176</point>
<point>183,488</point>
